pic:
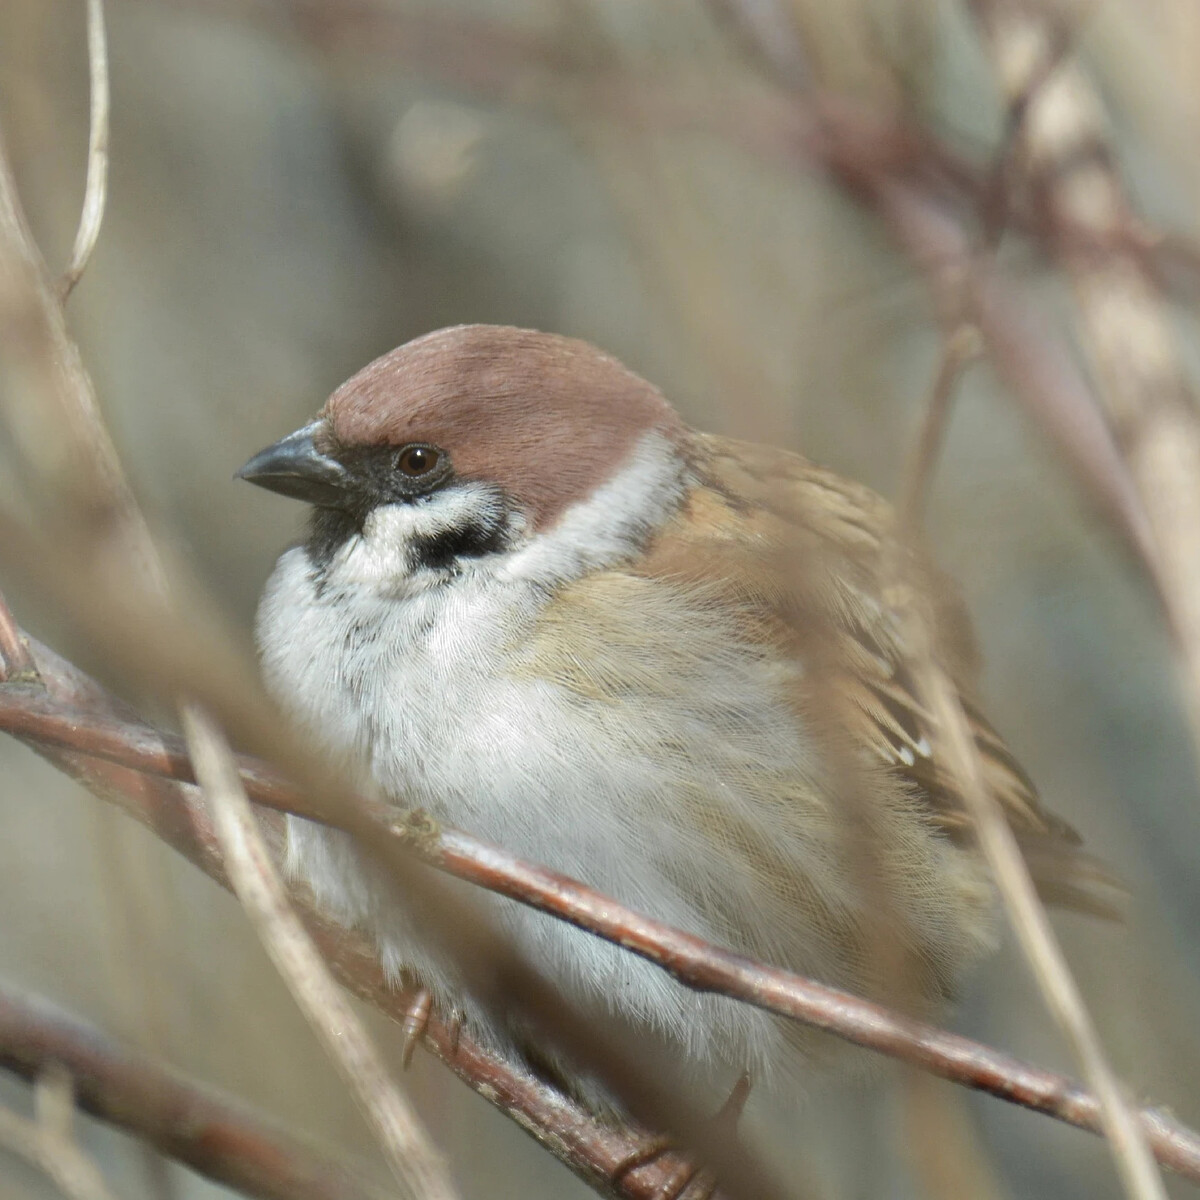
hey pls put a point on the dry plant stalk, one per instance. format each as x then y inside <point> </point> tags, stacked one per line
<point>419,1169</point>
<point>1035,935</point>
<point>1126,326</point>
<point>16,662</point>
<point>1027,915</point>
<point>96,187</point>
<point>48,1143</point>
<point>1038,68</point>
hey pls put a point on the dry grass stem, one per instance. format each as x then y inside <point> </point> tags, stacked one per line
<point>51,408</point>
<point>48,1142</point>
<point>96,187</point>
<point>960,292</point>
<point>418,1167</point>
<point>1131,1153</point>
<point>16,661</point>
<point>1026,913</point>
<point>1125,323</point>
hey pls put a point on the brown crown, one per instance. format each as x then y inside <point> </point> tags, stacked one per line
<point>548,418</point>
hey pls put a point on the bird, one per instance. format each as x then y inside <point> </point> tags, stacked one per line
<point>531,601</point>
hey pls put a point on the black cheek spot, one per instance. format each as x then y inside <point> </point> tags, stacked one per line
<point>437,551</point>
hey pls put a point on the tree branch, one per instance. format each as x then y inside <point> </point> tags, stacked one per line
<point>67,727</point>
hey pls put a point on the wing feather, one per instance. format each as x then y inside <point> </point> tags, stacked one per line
<point>811,557</point>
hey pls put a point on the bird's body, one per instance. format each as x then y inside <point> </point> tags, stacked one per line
<point>662,675</point>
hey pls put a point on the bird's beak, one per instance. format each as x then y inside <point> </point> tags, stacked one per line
<point>294,467</point>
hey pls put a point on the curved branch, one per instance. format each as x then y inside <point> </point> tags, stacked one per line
<point>133,747</point>
<point>208,1132</point>
<point>596,1151</point>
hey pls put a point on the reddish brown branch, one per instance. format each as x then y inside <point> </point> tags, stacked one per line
<point>208,1132</point>
<point>130,746</point>
<point>593,1149</point>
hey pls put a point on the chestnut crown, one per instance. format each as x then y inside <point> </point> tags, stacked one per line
<point>546,418</point>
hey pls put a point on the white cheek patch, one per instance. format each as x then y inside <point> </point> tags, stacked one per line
<point>381,556</point>
<point>612,522</point>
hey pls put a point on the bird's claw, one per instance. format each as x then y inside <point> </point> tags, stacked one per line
<point>416,1021</point>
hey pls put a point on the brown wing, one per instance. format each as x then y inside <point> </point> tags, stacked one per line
<point>812,557</point>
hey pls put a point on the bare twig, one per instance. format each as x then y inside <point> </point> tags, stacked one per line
<point>960,347</point>
<point>693,962</point>
<point>208,1132</point>
<point>418,1167</point>
<point>52,413</point>
<point>49,1144</point>
<point>1037,368</point>
<point>1027,916</point>
<point>1026,913</point>
<point>96,187</point>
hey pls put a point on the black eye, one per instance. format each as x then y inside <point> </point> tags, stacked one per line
<point>417,460</point>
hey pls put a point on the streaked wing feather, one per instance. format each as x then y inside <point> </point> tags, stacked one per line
<point>802,549</point>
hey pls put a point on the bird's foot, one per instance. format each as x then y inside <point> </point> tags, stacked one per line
<point>416,1021</point>
<point>686,1176</point>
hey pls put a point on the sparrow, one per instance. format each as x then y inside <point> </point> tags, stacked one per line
<point>534,603</point>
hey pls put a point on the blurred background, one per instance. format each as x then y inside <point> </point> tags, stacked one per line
<point>299,185</point>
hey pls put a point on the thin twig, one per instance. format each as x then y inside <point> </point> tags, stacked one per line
<point>1038,369</point>
<point>418,1167</point>
<point>1134,1161</point>
<point>1027,915</point>
<point>213,1134</point>
<point>16,661</point>
<point>96,188</point>
<point>690,960</point>
<point>959,348</point>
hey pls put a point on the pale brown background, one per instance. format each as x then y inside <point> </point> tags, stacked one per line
<point>287,203</point>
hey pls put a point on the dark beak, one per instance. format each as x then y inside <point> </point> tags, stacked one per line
<point>294,467</point>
